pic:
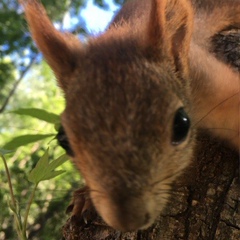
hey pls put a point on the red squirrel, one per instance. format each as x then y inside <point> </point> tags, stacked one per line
<point>135,96</point>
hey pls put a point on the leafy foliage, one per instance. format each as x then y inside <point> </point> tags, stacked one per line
<point>40,114</point>
<point>45,170</point>
<point>26,139</point>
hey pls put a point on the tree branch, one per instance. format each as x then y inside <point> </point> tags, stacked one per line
<point>16,84</point>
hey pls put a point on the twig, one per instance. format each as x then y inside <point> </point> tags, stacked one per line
<point>15,85</point>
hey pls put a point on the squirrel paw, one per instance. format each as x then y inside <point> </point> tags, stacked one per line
<point>81,208</point>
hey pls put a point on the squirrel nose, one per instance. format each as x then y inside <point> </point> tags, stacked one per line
<point>129,215</point>
<point>127,220</point>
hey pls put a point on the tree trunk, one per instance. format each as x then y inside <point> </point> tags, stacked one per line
<point>205,203</point>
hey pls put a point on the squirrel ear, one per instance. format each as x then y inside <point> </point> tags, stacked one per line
<point>60,50</point>
<point>169,31</point>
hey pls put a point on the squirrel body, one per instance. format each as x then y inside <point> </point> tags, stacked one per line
<point>135,96</point>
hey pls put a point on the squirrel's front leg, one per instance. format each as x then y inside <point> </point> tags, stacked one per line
<point>81,207</point>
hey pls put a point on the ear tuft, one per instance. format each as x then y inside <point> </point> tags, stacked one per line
<point>60,50</point>
<point>170,30</point>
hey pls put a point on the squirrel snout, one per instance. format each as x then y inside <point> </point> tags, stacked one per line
<point>126,214</point>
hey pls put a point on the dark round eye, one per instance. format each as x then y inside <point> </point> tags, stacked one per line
<point>63,141</point>
<point>181,127</point>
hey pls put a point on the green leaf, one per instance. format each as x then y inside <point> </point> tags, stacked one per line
<point>45,170</point>
<point>39,114</point>
<point>25,139</point>
<point>4,151</point>
<point>52,175</point>
<point>58,162</point>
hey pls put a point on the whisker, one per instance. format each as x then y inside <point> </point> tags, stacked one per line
<point>170,191</point>
<point>219,104</point>
<point>224,129</point>
<point>165,178</point>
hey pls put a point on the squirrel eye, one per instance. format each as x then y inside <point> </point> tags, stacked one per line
<point>181,127</point>
<point>63,141</point>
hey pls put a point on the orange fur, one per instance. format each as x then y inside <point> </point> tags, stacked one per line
<point>50,41</point>
<point>216,85</point>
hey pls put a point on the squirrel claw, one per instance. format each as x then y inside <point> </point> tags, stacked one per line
<point>81,208</point>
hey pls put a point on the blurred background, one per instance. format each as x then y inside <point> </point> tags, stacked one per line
<point>27,82</point>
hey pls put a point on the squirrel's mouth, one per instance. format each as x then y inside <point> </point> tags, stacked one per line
<point>127,213</point>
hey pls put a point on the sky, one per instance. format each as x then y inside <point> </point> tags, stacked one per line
<point>96,18</point>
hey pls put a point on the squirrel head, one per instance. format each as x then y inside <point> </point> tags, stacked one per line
<point>127,115</point>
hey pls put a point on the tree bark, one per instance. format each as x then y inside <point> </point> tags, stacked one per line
<point>205,202</point>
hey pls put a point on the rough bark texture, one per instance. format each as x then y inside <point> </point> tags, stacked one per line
<point>205,203</point>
